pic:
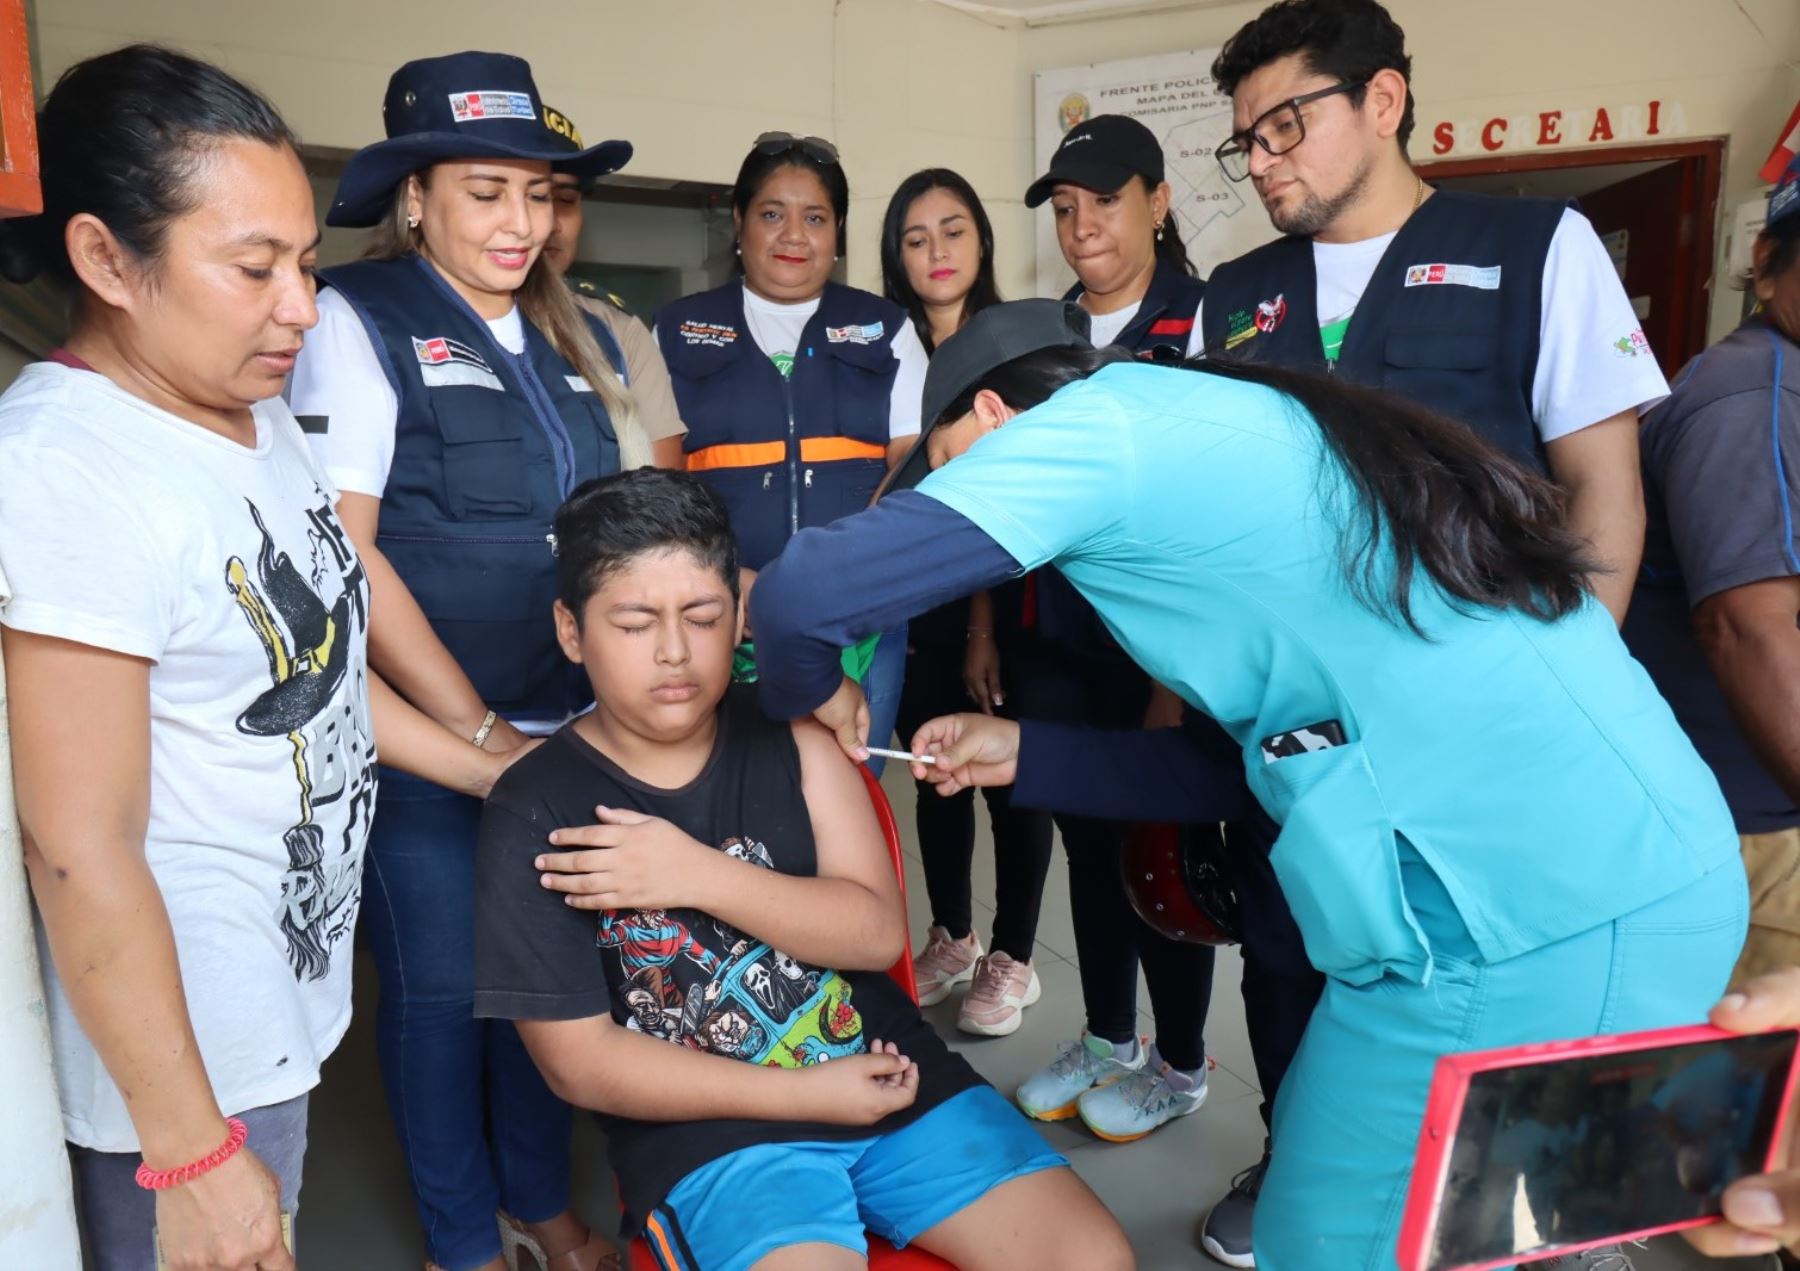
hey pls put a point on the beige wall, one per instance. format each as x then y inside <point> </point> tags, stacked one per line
<point>902,84</point>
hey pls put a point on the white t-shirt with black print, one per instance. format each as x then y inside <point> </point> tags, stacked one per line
<point>126,528</point>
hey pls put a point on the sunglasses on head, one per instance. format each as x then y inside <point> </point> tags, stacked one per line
<point>782,142</point>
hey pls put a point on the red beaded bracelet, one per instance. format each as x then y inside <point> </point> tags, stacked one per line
<point>156,1180</point>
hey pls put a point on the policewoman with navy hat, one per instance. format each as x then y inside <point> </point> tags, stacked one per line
<point>455,395</point>
<point>798,392</point>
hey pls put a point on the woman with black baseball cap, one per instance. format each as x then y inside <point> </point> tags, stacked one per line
<point>1117,229</point>
<point>456,394</point>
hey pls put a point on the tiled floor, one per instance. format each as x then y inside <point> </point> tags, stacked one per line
<point>357,1212</point>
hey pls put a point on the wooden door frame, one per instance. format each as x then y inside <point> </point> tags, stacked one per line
<point>1694,269</point>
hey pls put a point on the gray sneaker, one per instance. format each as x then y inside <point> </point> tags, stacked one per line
<point>1225,1235</point>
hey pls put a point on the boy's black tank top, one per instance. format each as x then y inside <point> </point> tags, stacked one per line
<point>748,801</point>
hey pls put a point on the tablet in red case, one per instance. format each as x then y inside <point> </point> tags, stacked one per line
<point>1539,1151</point>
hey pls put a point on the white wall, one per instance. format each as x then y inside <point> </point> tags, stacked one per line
<point>903,84</point>
<point>1732,65</point>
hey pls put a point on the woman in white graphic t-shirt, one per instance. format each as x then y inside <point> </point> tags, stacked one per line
<point>190,702</point>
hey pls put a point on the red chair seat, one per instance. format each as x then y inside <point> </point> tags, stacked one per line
<point>882,1255</point>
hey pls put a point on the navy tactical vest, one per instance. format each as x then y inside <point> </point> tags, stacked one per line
<point>486,447</point>
<point>1450,319</point>
<point>1159,330</point>
<point>784,453</point>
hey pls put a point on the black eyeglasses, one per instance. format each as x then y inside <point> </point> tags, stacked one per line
<point>1277,130</point>
<point>781,142</point>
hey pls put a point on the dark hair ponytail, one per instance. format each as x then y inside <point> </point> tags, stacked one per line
<point>1170,250</point>
<point>120,137</point>
<point>1487,531</point>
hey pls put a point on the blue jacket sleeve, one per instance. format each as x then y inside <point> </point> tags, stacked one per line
<point>1188,774</point>
<point>833,585</point>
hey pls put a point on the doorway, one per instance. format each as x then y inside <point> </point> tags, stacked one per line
<point>1655,208</point>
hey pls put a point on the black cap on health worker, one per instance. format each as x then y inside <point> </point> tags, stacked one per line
<point>991,338</point>
<point>1101,154</point>
<point>461,106</point>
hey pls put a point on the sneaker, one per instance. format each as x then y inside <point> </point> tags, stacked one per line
<point>945,964</point>
<point>1050,1094</point>
<point>1225,1235</point>
<point>1605,1258</point>
<point>1002,990</point>
<point>1136,1104</point>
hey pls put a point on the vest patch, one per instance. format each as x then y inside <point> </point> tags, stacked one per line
<point>715,334</point>
<point>1239,326</point>
<point>866,334</point>
<point>1482,278</point>
<point>491,104</point>
<point>1270,314</point>
<point>444,363</point>
<point>578,384</point>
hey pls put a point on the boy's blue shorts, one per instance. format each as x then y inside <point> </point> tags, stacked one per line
<point>743,1206</point>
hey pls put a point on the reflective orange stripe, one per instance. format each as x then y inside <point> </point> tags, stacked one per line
<point>830,449</point>
<point>756,454</point>
<point>764,454</point>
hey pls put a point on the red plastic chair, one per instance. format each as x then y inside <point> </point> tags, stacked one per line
<point>882,1255</point>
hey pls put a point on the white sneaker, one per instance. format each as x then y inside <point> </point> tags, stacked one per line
<point>1050,1094</point>
<point>1002,990</point>
<point>945,964</point>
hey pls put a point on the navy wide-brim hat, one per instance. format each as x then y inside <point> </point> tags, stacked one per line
<point>462,106</point>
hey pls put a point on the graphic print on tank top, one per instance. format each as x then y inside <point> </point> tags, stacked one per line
<point>694,980</point>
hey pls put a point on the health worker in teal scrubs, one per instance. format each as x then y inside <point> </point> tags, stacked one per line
<point>1493,831</point>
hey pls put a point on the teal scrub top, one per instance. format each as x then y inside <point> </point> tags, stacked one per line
<point>1532,764</point>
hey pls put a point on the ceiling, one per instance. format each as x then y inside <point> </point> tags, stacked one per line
<point>1031,13</point>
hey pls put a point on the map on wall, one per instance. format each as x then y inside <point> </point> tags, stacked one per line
<point>1173,95</point>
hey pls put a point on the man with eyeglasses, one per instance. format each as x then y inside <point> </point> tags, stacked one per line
<point>1504,313</point>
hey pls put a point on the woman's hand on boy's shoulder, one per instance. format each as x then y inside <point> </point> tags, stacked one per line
<point>860,1089</point>
<point>628,861</point>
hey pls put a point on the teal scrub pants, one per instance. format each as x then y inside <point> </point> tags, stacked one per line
<point>1348,1113</point>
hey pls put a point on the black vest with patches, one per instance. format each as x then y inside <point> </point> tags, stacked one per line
<point>1450,319</point>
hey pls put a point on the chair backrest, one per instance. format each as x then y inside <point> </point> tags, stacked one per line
<point>901,972</point>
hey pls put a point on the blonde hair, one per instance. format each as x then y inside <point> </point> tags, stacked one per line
<point>549,306</point>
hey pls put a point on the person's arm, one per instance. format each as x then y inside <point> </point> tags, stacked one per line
<point>594,1063</point>
<point>413,742</point>
<point>903,556</point>
<point>981,655</point>
<point>1053,482</point>
<point>1598,467</point>
<point>403,649</point>
<point>848,916</point>
<point>1189,774</point>
<point>1751,638</point>
<point>1595,376</point>
<point>80,720</point>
